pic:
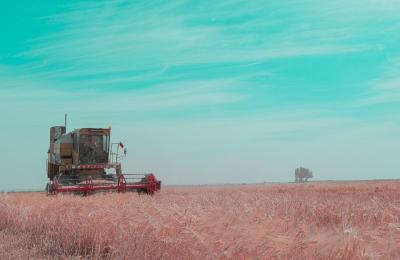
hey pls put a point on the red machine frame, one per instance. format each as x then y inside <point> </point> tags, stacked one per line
<point>148,183</point>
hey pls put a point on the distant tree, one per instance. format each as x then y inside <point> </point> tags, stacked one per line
<point>302,174</point>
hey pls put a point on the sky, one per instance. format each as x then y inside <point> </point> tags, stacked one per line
<point>205,92</point>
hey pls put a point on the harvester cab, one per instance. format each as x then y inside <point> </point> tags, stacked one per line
<point>84,161</point>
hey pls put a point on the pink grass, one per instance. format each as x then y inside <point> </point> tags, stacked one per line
<point>293,221</point>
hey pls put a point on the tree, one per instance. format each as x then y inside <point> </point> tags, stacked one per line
<point>302,174</point>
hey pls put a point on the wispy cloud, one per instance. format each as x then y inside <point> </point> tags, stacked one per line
<point>384,89</point>
<point>160,55</point>
<point>121,36</point>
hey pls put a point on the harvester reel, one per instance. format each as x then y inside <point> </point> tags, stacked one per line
<point>146,183</point>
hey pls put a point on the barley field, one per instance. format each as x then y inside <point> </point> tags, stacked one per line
<point>346,220</point>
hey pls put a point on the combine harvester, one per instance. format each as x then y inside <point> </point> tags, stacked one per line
<point>80,162</point>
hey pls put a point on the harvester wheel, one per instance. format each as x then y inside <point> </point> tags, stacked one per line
<point>49,189</point>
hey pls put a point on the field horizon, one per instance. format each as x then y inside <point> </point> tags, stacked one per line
<point>234,184</point>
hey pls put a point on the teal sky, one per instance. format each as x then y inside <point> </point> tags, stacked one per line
<point>205,91</point>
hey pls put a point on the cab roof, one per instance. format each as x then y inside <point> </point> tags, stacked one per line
<point>93,131</point>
